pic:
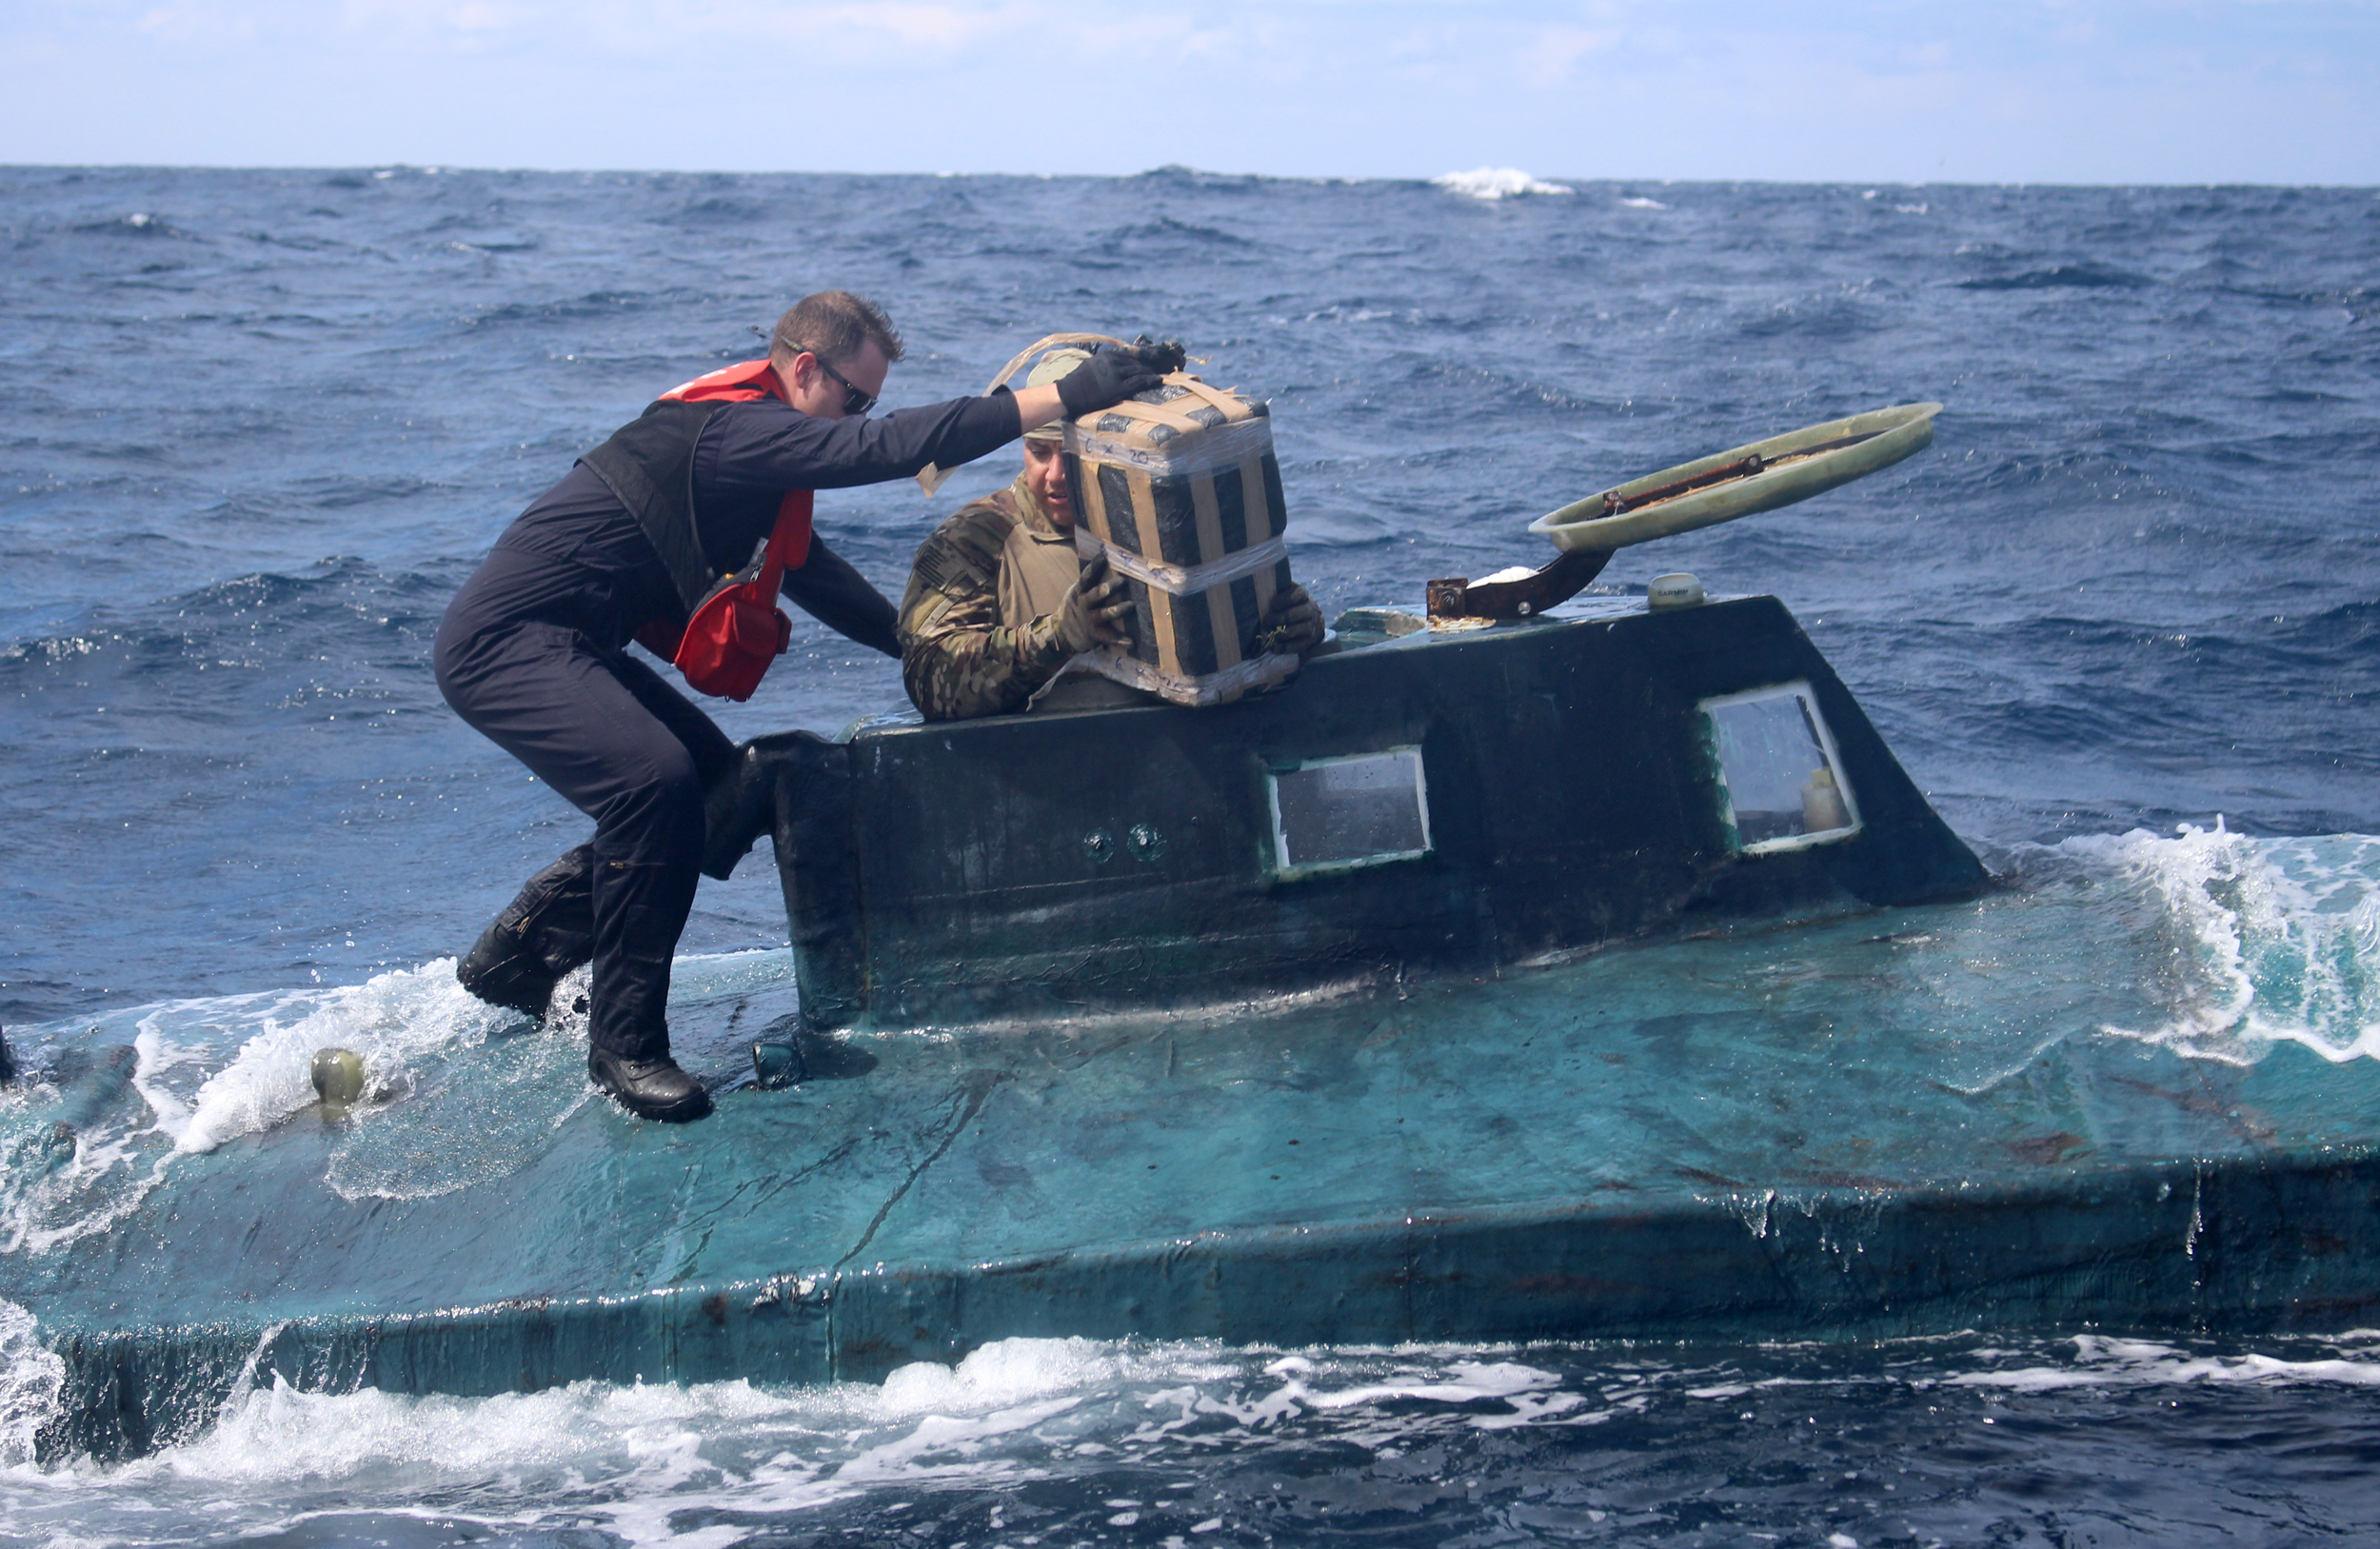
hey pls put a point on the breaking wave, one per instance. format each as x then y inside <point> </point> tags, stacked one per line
<point>1496,182</point>
<point>30,1379</point>
<point>104,1114</point>
<point>2264,941</point>
<point>1070,1440</point>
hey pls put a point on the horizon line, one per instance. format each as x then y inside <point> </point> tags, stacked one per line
<point>444,169</point>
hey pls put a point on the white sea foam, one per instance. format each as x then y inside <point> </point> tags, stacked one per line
<point>2101,1361</point>
<point>391,1020</point>
<point>649,1463</point>
<point>655,1453</point>
<point>2264,941</point>
<point>1461,1382</point>
<point>1496,182</point>
<point>208,1070</point>
<point>30,1379</point>
<point>1640,202</point>
<point>926,1421</point>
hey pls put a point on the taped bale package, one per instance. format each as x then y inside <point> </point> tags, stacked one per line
<point>1180,489</point>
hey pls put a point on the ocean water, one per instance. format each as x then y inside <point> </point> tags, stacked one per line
<point>2122,623</point>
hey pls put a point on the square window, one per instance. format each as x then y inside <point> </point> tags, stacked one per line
<point>1339,814</point>
<point>1781,783</point>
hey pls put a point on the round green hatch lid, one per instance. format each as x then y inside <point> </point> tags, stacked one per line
<point>1727,485</point>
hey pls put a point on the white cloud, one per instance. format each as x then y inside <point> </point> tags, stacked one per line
<point>2024,89</point>
<point>201,25</point>
<point>1553,53</point>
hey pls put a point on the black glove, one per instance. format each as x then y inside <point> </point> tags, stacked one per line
<point>1097,605</point>
<point>1163,356</point>
<point>1293,626</point>
<point>1110,376</point>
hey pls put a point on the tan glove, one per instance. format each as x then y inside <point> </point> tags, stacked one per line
<point>1293,626</point>
<point>1096,606</point>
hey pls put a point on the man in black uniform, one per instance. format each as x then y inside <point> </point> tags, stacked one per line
<point>532,652</point>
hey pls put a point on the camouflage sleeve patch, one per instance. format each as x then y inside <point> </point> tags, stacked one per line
<point>957,659</point>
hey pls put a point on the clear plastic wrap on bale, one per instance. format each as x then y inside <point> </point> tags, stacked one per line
<point>1180,489</point>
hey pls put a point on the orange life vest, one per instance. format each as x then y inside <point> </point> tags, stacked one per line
<point>744,382</point>
<point>734,633</point>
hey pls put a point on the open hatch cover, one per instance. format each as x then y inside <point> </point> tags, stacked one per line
<point>1742,480</point>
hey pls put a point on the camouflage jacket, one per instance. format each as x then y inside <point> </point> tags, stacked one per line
<point>959,656</point>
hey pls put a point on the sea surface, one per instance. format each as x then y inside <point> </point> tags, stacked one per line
<point>2121,623</point>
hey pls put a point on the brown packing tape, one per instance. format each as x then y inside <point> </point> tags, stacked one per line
<point>1143,514</point>
<point>1261,519</point>
<point>1225,624</point>
<point>1095,503</point>
<point>1046,342</point>
<point>1233,407</point>
<point>1144,522</point>
<point>933,475</point>
<point>1209,521</point>
<point>1145,414</point>
<point>1262,523</point>
<point>1085,486</point>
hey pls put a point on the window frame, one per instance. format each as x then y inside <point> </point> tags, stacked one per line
<point>1280,866</point>
<point>1784,843</point>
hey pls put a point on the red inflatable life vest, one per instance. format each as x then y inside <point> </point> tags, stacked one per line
<point>735,633</point>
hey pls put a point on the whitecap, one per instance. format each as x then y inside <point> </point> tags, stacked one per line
<point>1496,182</point>
<point>390,1019</point>
<point>2103,1362</point>
<point>2268,940</point>
<point>30,1378</point>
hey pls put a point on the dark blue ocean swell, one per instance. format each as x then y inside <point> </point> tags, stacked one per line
<point>2093,1440</point>
<point>254,427</point>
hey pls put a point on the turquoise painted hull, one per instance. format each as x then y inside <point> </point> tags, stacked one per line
<point>1820,1118</point>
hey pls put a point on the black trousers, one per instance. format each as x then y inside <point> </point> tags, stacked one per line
<point>615,741</point>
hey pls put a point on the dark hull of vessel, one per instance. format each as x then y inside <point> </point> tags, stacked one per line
<point>1042,1099</point>
<point>1037,865</point>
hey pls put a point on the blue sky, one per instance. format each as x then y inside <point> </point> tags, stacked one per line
<point>1992,91</point>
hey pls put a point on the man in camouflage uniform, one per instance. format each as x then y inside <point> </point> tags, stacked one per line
<point>999,602</point>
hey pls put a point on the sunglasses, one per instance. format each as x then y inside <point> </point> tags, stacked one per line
<point>854,401</point>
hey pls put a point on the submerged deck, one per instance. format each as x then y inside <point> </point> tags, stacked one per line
<point>1792,1101</point>
<point>1794,1132</point>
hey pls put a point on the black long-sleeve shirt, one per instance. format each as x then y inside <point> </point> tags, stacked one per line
<point>591,568</point>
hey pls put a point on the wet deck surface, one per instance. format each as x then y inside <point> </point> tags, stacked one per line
<point>1901,1121</point>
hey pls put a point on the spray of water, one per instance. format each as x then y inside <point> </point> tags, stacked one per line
<point>2261,941</point>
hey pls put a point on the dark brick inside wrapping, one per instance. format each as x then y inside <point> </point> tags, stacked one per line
<point>1144,626</point>
<point>1244,615</point>
<point>1123,530</point>
<point>1075,496</point>
<point>1194,632</point>
<point>1274,502</point>
<point>1178,519</point>
<point>1231,507</point>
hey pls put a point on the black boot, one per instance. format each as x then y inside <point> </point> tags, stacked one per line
<point>653,1088</point>
<point>547,932</point>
